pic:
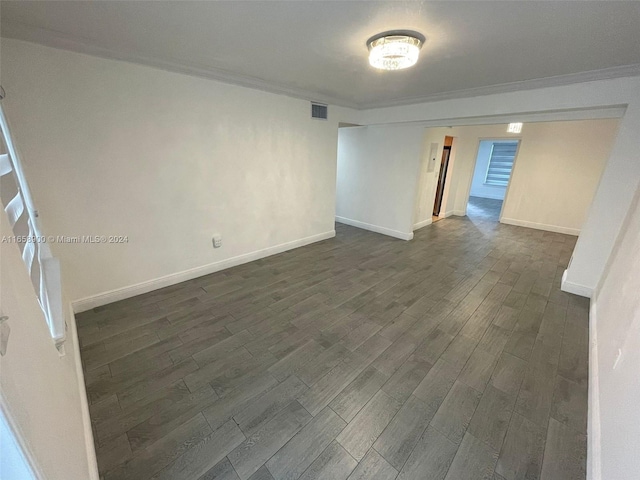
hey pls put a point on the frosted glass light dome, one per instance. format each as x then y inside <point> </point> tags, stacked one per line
<point>394,50</point>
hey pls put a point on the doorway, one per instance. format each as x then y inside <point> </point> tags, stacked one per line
<point>491,176</point>
<point>442,177</point>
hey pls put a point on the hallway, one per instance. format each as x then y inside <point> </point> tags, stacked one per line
<point>452,356</point>
<point>484,208</point>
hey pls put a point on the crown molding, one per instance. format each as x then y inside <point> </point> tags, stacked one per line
<point>28,33</point>
<point>50,38</point>
<point>563,115</point>
<point>533,84</point>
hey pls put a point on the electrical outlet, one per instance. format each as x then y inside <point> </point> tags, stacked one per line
<point>217,240</point>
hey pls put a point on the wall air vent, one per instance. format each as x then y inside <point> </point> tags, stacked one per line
<point>320,111</point>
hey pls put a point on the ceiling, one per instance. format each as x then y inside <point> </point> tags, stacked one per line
<point>316,49</point>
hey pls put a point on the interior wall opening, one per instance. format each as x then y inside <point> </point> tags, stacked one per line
<point>491,176</point>
<point>543,177</point>
<point>391,177</point>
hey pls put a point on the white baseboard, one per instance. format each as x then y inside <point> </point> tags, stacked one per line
<point>375,228</point>
<point>423,223</point>
<point>105,298</point>
<point>92,461</point>
<point>575,288</point>
<point>541,226</point>
<point>594,447</point>
<point>459,213</point>
<point>445,214</point>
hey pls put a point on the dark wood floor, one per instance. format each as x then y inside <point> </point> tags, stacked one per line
<point>451,356</point>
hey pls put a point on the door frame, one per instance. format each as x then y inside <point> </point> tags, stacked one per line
<point>513,169</point>
<point>442,176</point>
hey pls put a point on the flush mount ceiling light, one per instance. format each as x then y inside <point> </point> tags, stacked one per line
<point>395,50</point>
<point>514,128</point>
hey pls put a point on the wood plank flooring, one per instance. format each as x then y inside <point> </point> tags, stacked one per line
<point>454,356</point>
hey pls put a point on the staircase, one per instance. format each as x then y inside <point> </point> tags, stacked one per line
<point>42,266</point>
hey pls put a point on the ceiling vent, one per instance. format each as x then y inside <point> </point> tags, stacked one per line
<point>320,111</point>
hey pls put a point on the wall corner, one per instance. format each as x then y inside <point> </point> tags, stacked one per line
<point>575,288</point>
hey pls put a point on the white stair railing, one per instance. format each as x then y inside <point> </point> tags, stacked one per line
<point>41,265</point>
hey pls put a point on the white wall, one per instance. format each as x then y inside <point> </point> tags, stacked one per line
<point>606,214</point>
<point>554,179</point>
<point>478,186</point>
<point>615,389</point>
<point>615,189</point>
<point>112,148</point>
<point>41,391</point>
<point>556,173</point>
<point>376,181</point>
<point>427,181</point>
